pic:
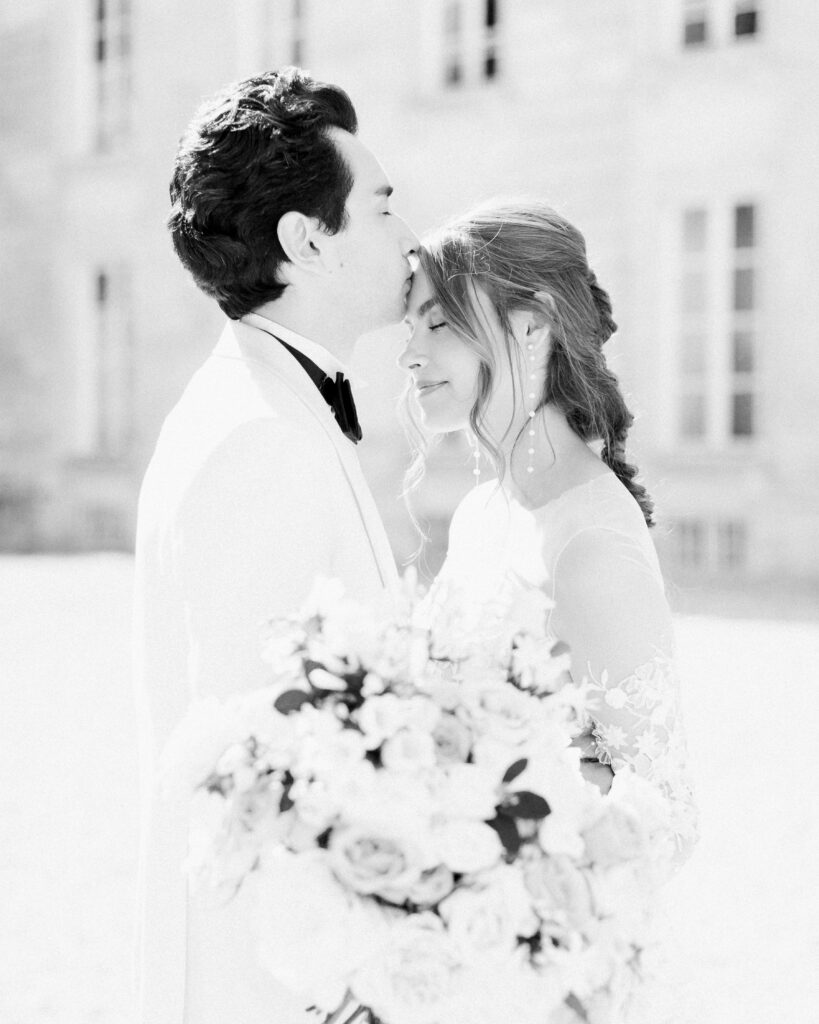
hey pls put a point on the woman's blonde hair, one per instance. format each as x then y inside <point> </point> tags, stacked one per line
<point>525,256</point>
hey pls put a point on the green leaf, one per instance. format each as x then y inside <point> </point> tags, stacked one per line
<point>291,700</point>
<point>515,769</point>
<point>525,805</point>
<point>507,833</point>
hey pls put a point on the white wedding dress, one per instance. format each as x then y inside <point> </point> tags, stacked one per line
<point>590,550</point>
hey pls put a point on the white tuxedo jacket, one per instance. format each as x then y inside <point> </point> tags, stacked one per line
<point>253,491</point>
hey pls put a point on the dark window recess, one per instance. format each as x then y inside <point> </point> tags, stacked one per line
<point>742,420</point>
<point>746,23</point>
<point>743,352</point>
<point>744,227</point>
<point>743,289</point>
<point>695,33</point>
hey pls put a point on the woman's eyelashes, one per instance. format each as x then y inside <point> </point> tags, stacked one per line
<point>437,327</point>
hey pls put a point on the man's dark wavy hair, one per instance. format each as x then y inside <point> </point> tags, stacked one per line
<point>257,150</point>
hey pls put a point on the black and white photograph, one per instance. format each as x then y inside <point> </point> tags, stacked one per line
<point>409,511</point>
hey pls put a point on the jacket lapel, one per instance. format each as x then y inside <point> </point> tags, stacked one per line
<point>264,353</point>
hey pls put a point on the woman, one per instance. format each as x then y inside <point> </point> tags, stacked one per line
<point>508,326</point>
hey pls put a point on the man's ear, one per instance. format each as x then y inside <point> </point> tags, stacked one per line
<point>302,239</point>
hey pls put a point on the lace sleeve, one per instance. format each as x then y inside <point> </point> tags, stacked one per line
<point>611,610</point>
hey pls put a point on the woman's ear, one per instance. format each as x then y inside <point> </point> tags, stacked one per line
<point>302,240</point>
<point>529,327</point>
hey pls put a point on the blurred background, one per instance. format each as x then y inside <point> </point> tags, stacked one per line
<point>681,137</point>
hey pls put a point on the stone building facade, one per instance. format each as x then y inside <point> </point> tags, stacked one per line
<point>679,135</point>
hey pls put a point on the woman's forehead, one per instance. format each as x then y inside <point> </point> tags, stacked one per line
<point>421,297</point>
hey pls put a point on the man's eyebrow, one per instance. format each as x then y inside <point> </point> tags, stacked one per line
<point>385,190</point>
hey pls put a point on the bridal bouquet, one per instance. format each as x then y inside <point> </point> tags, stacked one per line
<point>405,801</point>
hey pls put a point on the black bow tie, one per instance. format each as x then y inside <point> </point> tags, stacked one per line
<point>336,393</point>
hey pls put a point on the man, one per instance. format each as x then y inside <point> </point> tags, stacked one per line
<point>283,216</point>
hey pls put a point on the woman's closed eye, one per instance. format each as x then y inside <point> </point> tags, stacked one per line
<point>437,327</point>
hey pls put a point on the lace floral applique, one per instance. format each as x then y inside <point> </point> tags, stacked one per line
<point>637,724</point>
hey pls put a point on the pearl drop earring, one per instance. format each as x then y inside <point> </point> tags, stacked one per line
<point>476,455</point>
<point>530,348</point>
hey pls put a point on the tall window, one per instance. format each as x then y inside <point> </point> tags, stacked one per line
<point>718,325</point>
<point>297,31</point>
<point>693,355</point>
<point>112,62</point>
<point>471,42</point>
<point>695,23</point>
<point>746,19</point>
<point>691,547</point>
<point>743,335</point>
<point>110,432</point>
<point>709,545</point>
<point>490,44</point>
<point>453,43</point>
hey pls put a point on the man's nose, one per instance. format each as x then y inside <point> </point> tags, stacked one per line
<point>410,242</point>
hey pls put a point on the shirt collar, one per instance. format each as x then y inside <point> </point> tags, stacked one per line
<point>317,353</point>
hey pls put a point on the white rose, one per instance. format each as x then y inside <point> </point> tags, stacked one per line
<point>642,797</point>
<point>468,791</point>
<point>380,717</point>
<point>237,762</point>
<point>558,834</point>
<point>617,835</point>
<point>494,755</point>
<point>501,712</point>
<point>410,980</point>
<point>409,750</point>
<point>560,892</point>
<point>488,918</point>
<point>491,989</point>
<point>420,713</point>
<point>393,800</point>
<point>194,747</point>
<point>445,692</point>
<point>336,751</point>
<point>452,740</point>
<point>315,804</point>
<point>312,935</point>
<point>432,886</point>
<point>467,846</point>
<point>376,860</point>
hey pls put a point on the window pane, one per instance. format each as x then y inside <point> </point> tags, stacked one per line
<point>694,224</point>
<point>744,227</point>
<point>692,416</point>
<point>745,23</point>
<point>691,542</point>
<point>695,33</point>
<point>732,544</point>
<point>453,73</point>
<point>693,292</point>
<point>744,288</point>
<point>692,355</point>
<point>742,419</point>
<point>743,352</point>
<point>452,19</point>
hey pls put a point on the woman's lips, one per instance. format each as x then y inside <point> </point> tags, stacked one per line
<point>426,389</point>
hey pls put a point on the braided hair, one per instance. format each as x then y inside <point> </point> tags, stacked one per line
<point>524,255</point>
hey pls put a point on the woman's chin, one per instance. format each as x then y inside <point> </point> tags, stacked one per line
<point>440,424</point>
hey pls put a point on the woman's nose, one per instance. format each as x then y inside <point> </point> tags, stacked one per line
<point>412,358</point>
